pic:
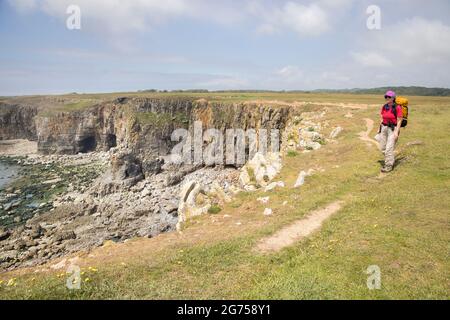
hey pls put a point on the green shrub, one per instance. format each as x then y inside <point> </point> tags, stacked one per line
<point>292,153</point>
<point>214,209</point>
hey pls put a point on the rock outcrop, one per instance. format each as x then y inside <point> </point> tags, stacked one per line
<point>260,170</point>
<point>17,121</point>
<point>140,194</point>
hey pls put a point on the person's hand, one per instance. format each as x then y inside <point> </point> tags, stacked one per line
<point>396,135</point>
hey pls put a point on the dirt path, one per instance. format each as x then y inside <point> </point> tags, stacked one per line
<point>364,135</point>
<point>298,230</point>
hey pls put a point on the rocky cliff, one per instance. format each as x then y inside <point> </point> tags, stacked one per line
<point>142,125</point>
<point>17,121</point>
<point>137,191</point>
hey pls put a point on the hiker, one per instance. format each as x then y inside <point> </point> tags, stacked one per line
<point>391,121</point>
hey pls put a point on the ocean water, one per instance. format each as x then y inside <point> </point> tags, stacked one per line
<point>7,174</point>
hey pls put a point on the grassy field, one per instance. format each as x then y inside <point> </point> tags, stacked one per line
<point>74,102</point>
<point>399,222</point>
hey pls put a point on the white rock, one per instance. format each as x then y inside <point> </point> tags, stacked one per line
<point>263,200</point>
<point>244,177</point>
<point>335,132</point>
<point>250,188</point>
<point>268,212</point>
<point>265,168</point>
<point>273,185</point>
<point>145,193</point>
<point>188,207</point>
<point>301,179</point>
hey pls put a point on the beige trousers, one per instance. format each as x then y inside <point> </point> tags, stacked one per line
<point>387,145</point>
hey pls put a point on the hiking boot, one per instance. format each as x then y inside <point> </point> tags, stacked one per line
<point>386,169</point>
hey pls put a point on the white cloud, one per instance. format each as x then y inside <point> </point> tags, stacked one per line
<point>305,20</point>
<point>371,59</point>
<point>290,72</point>
<point>224,83</point>
<point>120,17</point>
<point>420,40</point>
<point>412,42</point>
<point>266,29</point>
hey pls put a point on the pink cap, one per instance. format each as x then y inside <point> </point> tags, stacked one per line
<point>390,94</point>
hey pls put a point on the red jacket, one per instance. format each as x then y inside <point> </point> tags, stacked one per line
<point>389,116</point>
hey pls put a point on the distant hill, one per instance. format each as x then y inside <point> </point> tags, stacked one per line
<point>407,91</point>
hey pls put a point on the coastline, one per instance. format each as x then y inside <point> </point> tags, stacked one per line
<point>8,173</point>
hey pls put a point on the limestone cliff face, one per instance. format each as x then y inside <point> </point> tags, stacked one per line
<point>84,131</point>
<point>142,125</point>
<point>244,116</point>
<point>17,122</point>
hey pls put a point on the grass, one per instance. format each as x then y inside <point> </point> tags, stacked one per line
<point>399,223</point>
<point>71,106</point>
<point>292,153</point>
<point>85,100</point>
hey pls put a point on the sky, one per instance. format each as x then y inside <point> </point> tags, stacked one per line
<point>221,45</point>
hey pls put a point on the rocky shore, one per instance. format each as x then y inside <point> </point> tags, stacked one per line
<point>65,204</point>
<point>103,174</point>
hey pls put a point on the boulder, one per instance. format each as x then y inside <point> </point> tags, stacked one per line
<point>8,256</point>
<point>263,200</point>
<point>301,177</point>
<point>336,131</point>
<point>193,202</point>
<point>4,234</point>
<point>261,169</point>
<point>126,168</point>
<point>152,167</point>
<point>65,235</point>
<point>36,232</point>
<point>274,185</point>
<point>217,193</point>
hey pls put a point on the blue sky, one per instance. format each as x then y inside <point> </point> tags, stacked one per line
<point>246,44</point>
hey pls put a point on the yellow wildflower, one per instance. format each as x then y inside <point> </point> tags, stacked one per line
<point>11,282</point>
